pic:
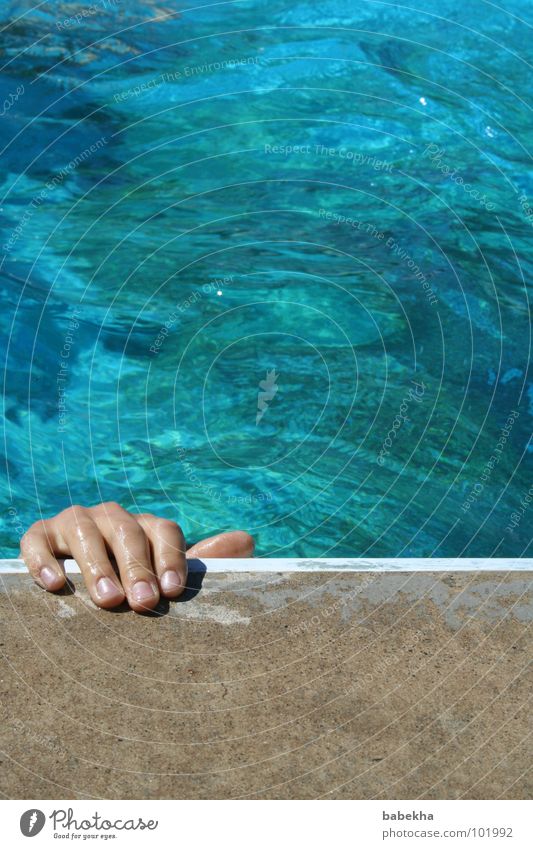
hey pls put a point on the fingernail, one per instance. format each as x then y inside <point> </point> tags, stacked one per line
<point>106,589</point>
<point>48,577</point>
<point>171,581</point>
<point>142,591</point>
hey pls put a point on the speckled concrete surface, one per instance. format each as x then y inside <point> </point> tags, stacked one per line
<point>316,685</point>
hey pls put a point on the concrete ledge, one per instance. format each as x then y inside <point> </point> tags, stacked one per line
<point>333,564</point>
<point>312,684</point>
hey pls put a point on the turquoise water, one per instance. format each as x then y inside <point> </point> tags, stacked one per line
<point>324,209</point>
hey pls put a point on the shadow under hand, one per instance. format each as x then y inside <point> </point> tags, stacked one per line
<point>195,578</point>
<point>196,571</point>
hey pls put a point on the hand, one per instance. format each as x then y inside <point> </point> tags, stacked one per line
<point>149,552</point>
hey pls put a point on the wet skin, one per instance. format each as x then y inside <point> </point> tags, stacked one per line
<point>149,553</point>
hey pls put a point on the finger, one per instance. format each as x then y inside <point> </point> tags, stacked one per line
<point>168,553</point>
<point>37,552</point>
<point>124,535</point>
<point>231,544</point>
<point>85,543</point>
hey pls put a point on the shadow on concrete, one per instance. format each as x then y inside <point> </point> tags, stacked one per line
<point>195,578</point>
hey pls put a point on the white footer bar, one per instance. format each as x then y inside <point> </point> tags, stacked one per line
<point>239,824</point>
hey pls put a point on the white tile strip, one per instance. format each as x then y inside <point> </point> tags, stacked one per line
<point>340,564</point>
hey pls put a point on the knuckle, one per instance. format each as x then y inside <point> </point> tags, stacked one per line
<point>132,560</point>
<point>128,529</point>
<point>167,525</point>
<point>75,511</point>
<point>111,505</point>
<point>31,533</point>
<point>134,570</point>
<point>108,508</point>
<point>98,566</point>
<point>80,521</point>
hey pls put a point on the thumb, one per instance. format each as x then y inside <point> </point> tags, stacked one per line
<point>231,544</point>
